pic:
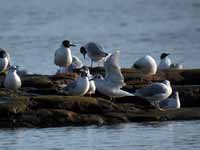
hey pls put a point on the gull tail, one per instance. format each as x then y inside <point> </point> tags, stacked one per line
<point>123,93</point>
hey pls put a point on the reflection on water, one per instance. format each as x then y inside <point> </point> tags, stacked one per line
<point>140,136</point>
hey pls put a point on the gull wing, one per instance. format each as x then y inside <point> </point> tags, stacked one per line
<point>95,48</point>
<point>113,69</point>
<point>153,89</point>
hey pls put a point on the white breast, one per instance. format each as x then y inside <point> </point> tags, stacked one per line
<point>12,81</point>
<point>63,57</point>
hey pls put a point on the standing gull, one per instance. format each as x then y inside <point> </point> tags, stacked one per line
<point>94,51</point>
<point>76,64</point>
<point>92,87</point>
<point>63,56</point>
<point>113,82</point>
<point>3,61</point>
<point>172,102</point>
<point>12,80</point>
<point>165,62</point>
<point>146,65</point>
<point>79,87</point>
<point>155,92</point>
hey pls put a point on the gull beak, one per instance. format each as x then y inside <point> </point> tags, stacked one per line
<point>72,45</point>
<point>84,55</point>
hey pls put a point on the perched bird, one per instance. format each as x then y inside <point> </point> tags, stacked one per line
<point>155,92</point>
<point>92,87</point>
<point>63,56</point>
<point>113,82</point>
<point>176,66</point>
<point>79,87</point>
<point>3,61</point>
<point>12,80</point>
<point>94,51</point>
<point>146,65</point>
<point>172,102</point>
<point>165,62</point>
<point>8,56</point>
<point>76,64</point>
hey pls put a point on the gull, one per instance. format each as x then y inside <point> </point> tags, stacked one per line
<point>7,55</point>
<point>92,87</point>
<point>155,92</point>
<point>94,51</point>
<point>165,62</point>
<point>63,56</point>
<point>79,87</point>
<point>146,65</point>
<point>113,82</point>
<point>172,102</point>
<point>3,61</point>
<point>12,80</point>
<point>176,66</point>
<point>76,64</point>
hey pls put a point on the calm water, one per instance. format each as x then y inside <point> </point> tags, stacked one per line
<point>142,136</point>
<point>31,30</point>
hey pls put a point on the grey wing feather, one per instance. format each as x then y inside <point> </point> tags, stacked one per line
<point>95,48</point>
<point>151,90</point>
<point>70,86</point>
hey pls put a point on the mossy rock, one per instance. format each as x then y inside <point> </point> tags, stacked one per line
<point>74,103</point>
<point>14,105</point>
<point>37,81</point>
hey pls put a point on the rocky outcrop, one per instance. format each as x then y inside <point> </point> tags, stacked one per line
<point>41,103</point>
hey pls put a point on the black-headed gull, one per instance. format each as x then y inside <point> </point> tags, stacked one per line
<point>165,62</point>
<point>3,61</point>
<point>63,56</point>
<point>171,102</point>
<point>12,80</point>
<point>113,82</point>
<point>146,65</point>
<point>94,51</point>
<point>155,92</point>
<point>78,87</point>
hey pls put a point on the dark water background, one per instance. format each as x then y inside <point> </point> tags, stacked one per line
<point>31,30</point>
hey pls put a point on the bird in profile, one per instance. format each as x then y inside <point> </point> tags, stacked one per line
<point>155,92</point>
<point>12,80</point>
<point>78,87</point>
<point>63,56</point>
<point>92,87</point>
<point>113,82</point>
<point>165,62</point>
<point>171,102</point>
<point>146,65</point>
<point>94,51</point>
<point>4,61</point>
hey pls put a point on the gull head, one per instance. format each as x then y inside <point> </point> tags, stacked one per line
<point>83,51</point>
<point>163,55</point>
<point>167,82</point>
<point>13,68</point>
<point>3,54</point>
<point>98,77</point>
<point>67,44</point>
<point>85,69</point>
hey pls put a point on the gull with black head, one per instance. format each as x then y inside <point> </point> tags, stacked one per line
<point>63,56</point>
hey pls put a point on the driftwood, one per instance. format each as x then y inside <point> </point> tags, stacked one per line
<point>40,102</point>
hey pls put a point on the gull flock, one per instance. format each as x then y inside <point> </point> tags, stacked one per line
<point>159,94</point>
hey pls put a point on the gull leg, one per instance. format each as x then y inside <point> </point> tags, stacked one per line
<point>158,106</point>
<point>91,63</point>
